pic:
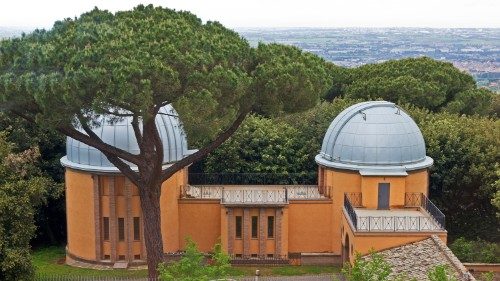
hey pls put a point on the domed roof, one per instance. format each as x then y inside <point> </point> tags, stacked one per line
<point>375,138</point>
<point>119,133</point>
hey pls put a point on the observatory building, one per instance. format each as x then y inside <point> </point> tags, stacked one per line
<point>371,193</point>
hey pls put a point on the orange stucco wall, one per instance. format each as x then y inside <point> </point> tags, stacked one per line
<point>170,193</point>
<point>80,214</point>
<point>310,226</point>
<point>369,188</point>
<point>338,182</point>
<point>201,221</point>
<point>418,181</point>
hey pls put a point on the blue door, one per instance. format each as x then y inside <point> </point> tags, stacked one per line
<point>384,192</point>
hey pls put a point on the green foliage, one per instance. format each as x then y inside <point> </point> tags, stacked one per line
<point>476,251</point>
<point>50,218</point>
<point>400,89</point>
<point>49,266</point>
<point>487,276</point>
<point>374,268</point>
<point>149,56</point>
<point>474,101</point>
<point>260,146</point>
<point>466,152</point>
<point>422,82</point>
<point>288,80</point>
<point>440,273</point>
<point>192,266</point>
<point>496,197</point>
<point>22,189</point>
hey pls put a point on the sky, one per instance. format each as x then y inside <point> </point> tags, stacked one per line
<point>277,13</point>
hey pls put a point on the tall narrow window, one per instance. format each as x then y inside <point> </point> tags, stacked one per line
<point>270,227</point>
<point>238,226</point>
<point>105,228</point>
<point>121,229</point>
<point>255,226</point>
<point>137,230</point>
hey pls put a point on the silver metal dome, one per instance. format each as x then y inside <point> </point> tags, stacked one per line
<point>375,138</point>
<point>120,133</point>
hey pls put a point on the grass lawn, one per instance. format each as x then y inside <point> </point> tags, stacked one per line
<point>50,262</point>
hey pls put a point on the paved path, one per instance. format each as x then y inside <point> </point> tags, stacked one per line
<point>327,277</point>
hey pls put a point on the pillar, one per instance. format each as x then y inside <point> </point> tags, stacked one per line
<point>97,218</point>
<point>112,218</point>
<point>262,232</point>
<point>279,221</point>
<point>246,232</point>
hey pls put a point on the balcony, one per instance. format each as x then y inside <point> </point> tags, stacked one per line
<point>418,215</point>
<point>253,194</point>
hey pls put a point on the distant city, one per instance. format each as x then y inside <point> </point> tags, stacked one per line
<point>476,51</point>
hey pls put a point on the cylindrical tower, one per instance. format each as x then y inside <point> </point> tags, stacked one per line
<point>374,153</point>
<point>104,218</point>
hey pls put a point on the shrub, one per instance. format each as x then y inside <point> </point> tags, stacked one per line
<point>192,266</point>
<point>441,273</point>
<point>375,268</point>
<point>476,250</point>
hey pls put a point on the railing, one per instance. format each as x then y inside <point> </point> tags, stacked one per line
<point>252,178</point>
<point>292,192</point>
<point>303,192</point>
<point>413,199</point>
<point>432,220</point>
<point>433,211</point>
<point>396,223</point>
<point>355,198</point>
<point>202,192</point>
<point>350,211</point>
<point>417,199</point>
<point>72,277</point>
<point>253,196</point>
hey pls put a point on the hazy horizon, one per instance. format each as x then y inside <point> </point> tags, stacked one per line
<point>278,13</point>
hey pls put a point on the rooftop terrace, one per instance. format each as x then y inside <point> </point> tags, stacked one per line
<point>418,214</point>
<point>253,194</point>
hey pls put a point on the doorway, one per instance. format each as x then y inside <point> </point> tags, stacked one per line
<point>384,193</point>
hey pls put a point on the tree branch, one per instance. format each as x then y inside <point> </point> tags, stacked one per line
<point>220,139</point>
<point>124,168</point>
<point>96,142</point>
<point>137,132</point>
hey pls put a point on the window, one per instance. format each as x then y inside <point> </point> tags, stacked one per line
<point>238,226</point>
<point>121,229</point>
<point>105,227</point>
<point>107,257</point>
<point>137,257</point>
<point>254,255</point>
<point>255,226</point>
<point>270,255</point>
<point>137,229</point>
<point>270,227</point>
<point>121,257</point>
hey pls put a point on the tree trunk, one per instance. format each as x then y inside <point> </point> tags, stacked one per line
<point>150,204</point>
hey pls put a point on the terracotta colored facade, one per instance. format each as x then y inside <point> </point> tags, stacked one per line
<point>105,219</point>
<point>372,191</point>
